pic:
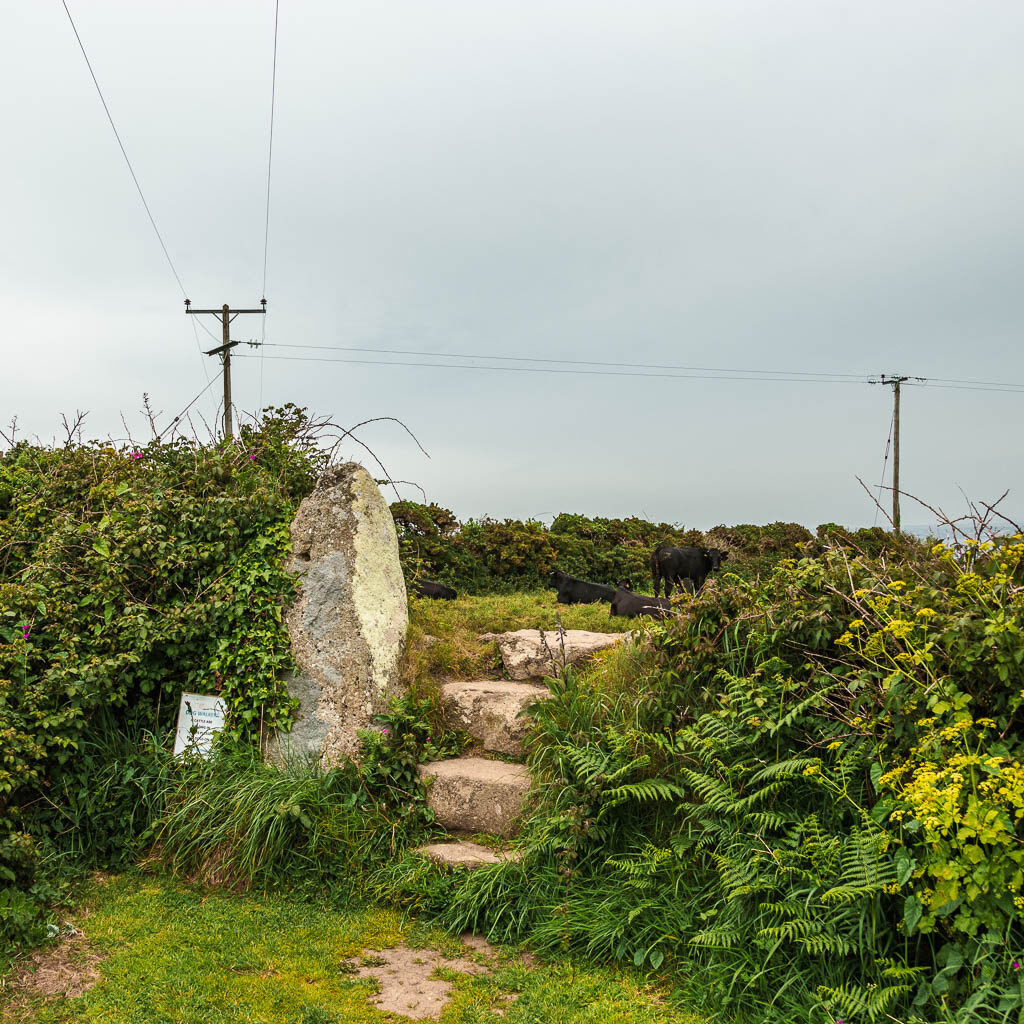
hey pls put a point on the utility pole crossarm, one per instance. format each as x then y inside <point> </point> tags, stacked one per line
<point>222,348</point>
<point>226,314</point>
<point>218,312</point>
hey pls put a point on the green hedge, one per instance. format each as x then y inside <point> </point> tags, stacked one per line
<point>129,575</point>
<point>500,556</point>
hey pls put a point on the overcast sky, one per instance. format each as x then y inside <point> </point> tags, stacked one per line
<point>803,186</point>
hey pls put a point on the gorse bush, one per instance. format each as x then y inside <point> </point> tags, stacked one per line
<point>126,577</point>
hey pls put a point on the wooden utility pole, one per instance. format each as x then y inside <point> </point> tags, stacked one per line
<point>895,453</point>
<point>894,382</point>
<point>226,315</point>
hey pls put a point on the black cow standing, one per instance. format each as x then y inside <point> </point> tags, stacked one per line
<point>574,591</point>
<point>625,602</point>
<point>674,565</point>
<point>428,588</point>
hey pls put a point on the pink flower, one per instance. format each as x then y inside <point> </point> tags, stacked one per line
<point>25,630</point>
<point>252,458</point>
<point>135,454</point>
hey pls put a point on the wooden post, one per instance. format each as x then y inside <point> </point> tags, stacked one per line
<point>896,455</point>
<point>226,360</point>
<point>894,382</point>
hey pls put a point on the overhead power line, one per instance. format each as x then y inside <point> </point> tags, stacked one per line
<point>1013,389</point>
<point>124,153</point>
<point>567,362</point>
<point>270,149</point>
<point>577,367</point>
<point>885,463</point>
<point>131,171</point>
<point>189,406</point>
<point>270,162</point>
<point>552,369</point>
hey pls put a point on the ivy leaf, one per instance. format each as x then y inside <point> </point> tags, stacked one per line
<point>656,958</point>
<point>101,547</point>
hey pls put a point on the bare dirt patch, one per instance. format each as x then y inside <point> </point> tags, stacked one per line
<point>64,971</point>
<point>407,977</point>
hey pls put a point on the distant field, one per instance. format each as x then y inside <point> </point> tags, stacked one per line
<point>455,652</point>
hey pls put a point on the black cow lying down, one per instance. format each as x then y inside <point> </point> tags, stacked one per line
<point>428,588</point>
<point>574,591</point>
<point>675,565</point>
<point>629,604</point>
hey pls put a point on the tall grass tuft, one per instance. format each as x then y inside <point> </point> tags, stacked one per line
<point>238,822</point>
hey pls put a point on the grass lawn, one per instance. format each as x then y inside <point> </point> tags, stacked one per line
<point>165,952</point>
<point>454,650</point>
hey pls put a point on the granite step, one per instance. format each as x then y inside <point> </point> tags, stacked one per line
<point>534,654</point>
<point>473,794</point>
<point>464,853</point>
<point>490,711</point>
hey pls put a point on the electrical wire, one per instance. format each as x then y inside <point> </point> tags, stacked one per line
<point>955,380</point>
<point>547,369</point>
<point>885,462</point>
<point>124,153</point>
<point>740,375</point>
<point>138,186</point>
<point>730,372</point>
<point>199,348</point>
<point>270,148</point>
<point>190,404</point>
<point>567,362</point>
<point>1010,389</point>
<point>270,161</point>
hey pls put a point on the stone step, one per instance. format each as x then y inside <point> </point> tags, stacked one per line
<point>489,710</point>
<point>534,653</point>
<point>473,794</point>
<point>464,853</point>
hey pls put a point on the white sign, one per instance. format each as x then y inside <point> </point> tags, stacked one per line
<point>199,717</point>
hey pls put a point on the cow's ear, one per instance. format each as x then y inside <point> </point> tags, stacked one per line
<point>705,552</point>
<point>725,555</point>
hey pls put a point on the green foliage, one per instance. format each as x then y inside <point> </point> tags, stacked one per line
<point>411,733</point>
<point>503,556</point>
<point>170,952</point>
<point>126,577</point>
<point>235,820</point>
<point>809,798</point>
<point>238,822</point>
<point>443,640</point>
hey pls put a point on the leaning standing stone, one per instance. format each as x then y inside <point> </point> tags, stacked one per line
<point>348,624</point>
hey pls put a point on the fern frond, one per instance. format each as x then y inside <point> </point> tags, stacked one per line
<point>783,769</point>
<point>718,938</point>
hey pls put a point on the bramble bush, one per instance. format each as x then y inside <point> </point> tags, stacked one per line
<point>128,576</point>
